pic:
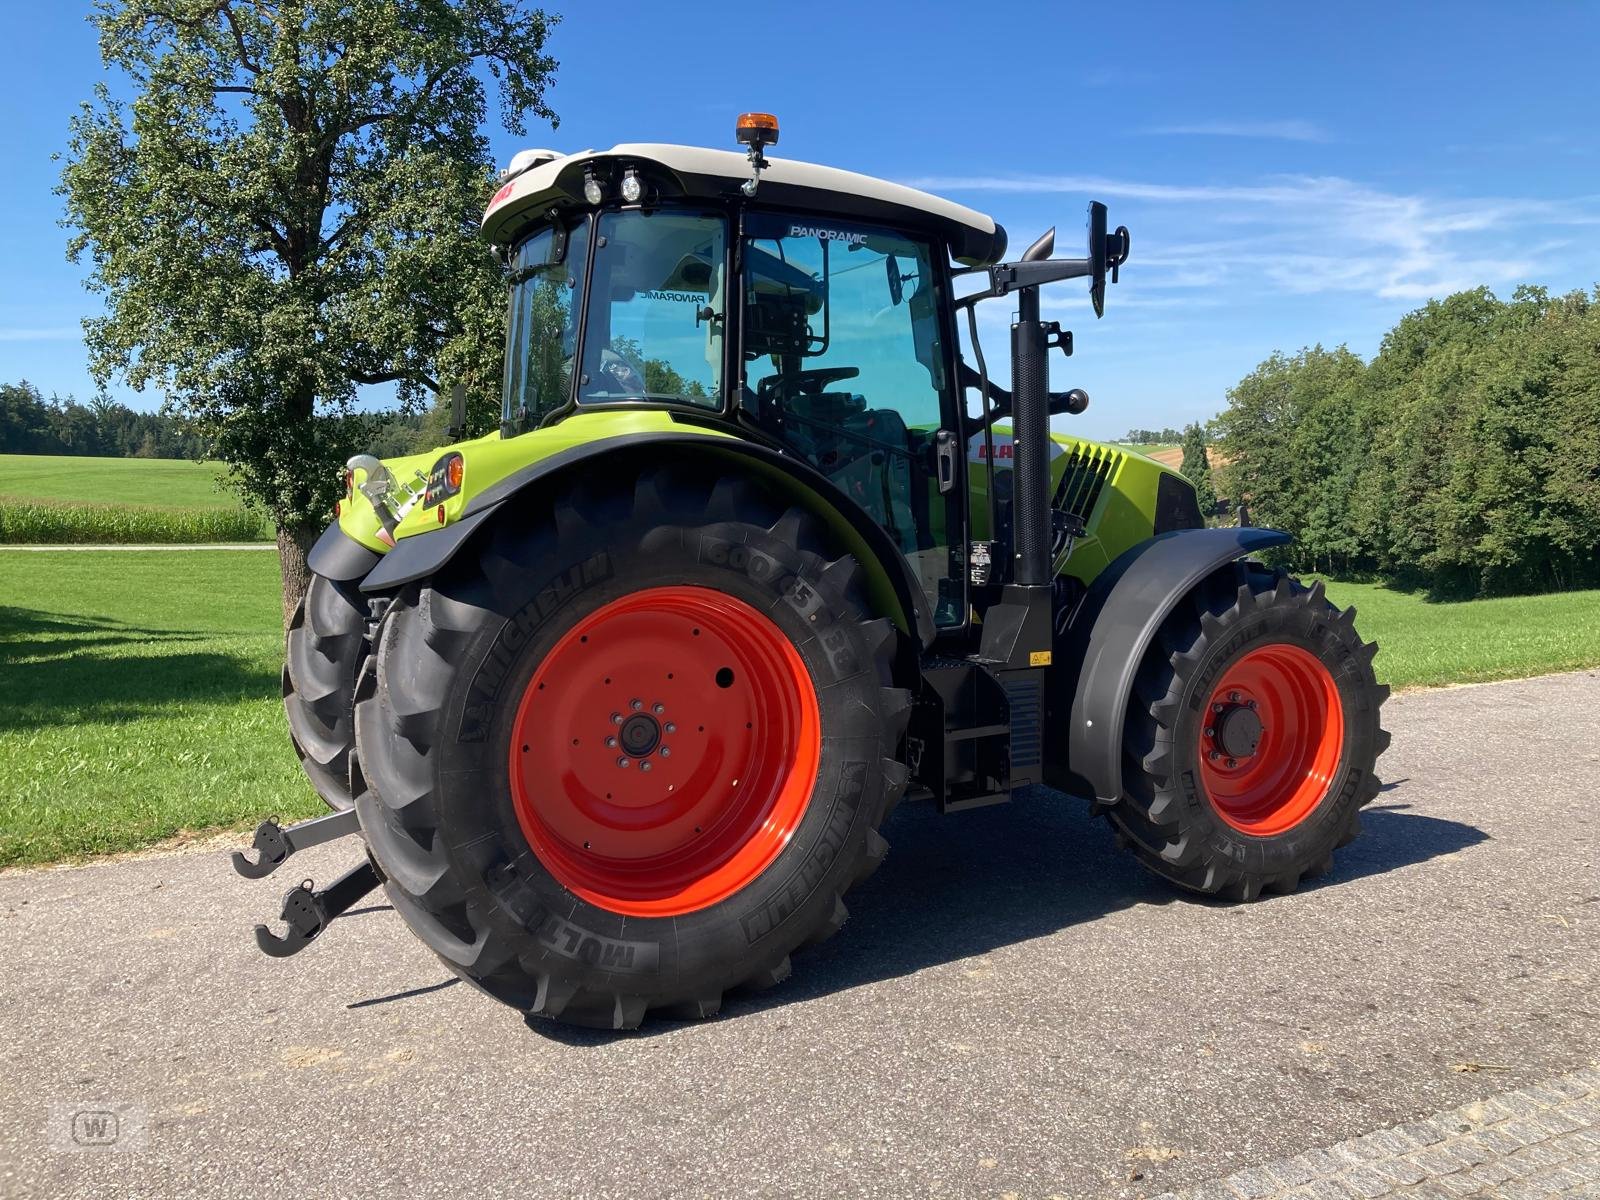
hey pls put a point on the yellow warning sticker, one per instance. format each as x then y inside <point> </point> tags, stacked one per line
<point>1039,658</point>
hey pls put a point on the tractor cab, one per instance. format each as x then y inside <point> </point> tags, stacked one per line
<point>804,307</point>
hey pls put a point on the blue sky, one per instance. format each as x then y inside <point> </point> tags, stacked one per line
<point>1291,173</point>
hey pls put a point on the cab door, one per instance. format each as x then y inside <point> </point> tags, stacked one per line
<point>846,361</point>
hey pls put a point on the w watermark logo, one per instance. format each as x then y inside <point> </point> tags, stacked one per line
<point>96,1127</point>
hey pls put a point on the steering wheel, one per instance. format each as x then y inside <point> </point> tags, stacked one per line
<point>628,378</point>
<point>809,383</point>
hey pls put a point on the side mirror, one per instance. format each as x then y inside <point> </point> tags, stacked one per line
<point>458,413</point>
<point>1106,251</point>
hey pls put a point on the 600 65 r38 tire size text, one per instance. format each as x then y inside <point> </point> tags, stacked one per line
<point>633,751</point>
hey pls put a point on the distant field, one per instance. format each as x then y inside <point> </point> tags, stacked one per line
<point>143,701</point>
<point>61,499</point>
<point>1152,449</point>
<point>160,482</point>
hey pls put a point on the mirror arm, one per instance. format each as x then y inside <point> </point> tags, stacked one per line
<point>996,394</point>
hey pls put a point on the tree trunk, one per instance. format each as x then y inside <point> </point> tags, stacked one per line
<point>293,546</point>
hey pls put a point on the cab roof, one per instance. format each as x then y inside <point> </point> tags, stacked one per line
<point>693,171</point>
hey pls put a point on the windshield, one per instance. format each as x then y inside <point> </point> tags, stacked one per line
<point>542,333</point>
<point>656,298</point>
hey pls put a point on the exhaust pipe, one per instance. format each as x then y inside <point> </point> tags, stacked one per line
<point>1030,438</point>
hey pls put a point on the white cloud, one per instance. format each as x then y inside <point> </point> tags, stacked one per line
<point>1282,131</point>
<point>1304,235</point>
<point>40,335</point>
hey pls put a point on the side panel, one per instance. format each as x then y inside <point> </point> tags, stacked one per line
<point>1114,625</point>
<point>1114,490</point>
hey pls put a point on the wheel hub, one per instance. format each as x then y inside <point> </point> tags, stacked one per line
<point>1272,739</point>
<point>664,751</point>
<point>1238,731</point>
<point>640,735</point>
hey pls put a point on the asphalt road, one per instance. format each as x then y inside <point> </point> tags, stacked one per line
<point>1014,1007</point>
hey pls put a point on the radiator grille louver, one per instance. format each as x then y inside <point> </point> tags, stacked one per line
<point>1089,468</point>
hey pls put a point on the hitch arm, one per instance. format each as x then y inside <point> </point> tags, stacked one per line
<point>274,844</point>
<point>307,912</point>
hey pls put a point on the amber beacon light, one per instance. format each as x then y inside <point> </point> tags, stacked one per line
<point>757,129</point>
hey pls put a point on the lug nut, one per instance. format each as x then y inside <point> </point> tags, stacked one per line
<point>1233,696</point>
<point>1216,708</point>
<point>1210,732</point>
<point>666,752</point>
<point>636,705</point>
<point>611,743</point>
<point>1250,704</point>
<point>1231,763</point>
<point>622,761</point>
<point>616,718</point>
<point>644,766</point>
<point>670,727</point>
<point>1213,756</point>
<point>658,708</point>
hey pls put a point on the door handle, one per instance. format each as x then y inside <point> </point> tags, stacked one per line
<point>944,457</point>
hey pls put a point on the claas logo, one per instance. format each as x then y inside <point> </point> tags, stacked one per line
<point>1002,451</point>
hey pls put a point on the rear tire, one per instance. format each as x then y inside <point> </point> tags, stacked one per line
<point>485,845</point>
<point>1251,739</point>
<point>324,648</point>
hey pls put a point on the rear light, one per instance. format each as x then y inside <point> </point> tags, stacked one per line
<point>338,508</point>
<point>445,479</point>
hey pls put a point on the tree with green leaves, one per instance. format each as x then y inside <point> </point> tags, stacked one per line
<point>1465,457</point>
<point>286,210</point>
<point>1196,468</point>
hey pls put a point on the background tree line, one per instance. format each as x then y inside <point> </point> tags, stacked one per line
<point>102,428</point>
<point>1465,457</point>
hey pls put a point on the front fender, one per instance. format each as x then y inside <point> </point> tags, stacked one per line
<point>893,585</point>
<point>1114,626</point>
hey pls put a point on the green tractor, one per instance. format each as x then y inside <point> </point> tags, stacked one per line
<point>620,697</point>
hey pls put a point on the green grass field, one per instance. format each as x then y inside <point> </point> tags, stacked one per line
<point>61,500</point>
<point>1425,644</point>
<point>159,482</point>
<point>141,699</point>
<point>142,687</point>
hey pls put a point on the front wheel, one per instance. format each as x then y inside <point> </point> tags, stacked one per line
<point>1251,739</point>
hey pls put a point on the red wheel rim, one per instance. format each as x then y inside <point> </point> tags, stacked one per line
<point>1272,737</point>
<point>665,751</point>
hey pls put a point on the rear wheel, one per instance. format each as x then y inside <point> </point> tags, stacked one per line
<point>634,753</point>
<point>323,651</point>
<point>1251,740</point>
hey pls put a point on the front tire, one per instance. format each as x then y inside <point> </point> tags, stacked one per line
<point>592,882</point>
<point>1251,739</point>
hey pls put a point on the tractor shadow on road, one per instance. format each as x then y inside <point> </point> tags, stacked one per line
<point>960,886</point>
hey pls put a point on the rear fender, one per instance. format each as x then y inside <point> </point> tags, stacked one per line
<point>892,585</point>
<point>1110,632</point>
